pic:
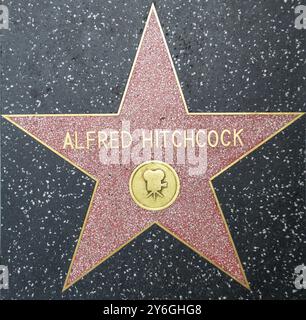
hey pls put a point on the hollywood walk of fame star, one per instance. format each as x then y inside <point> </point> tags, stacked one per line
<point>153,99</point>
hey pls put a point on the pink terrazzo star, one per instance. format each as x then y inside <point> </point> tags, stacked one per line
<point>153,99</point>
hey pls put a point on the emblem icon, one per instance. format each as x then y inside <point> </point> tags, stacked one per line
<point>155,182</point>
<point>154,185</point>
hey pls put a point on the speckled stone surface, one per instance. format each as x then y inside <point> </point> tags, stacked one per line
<point>75,56</point>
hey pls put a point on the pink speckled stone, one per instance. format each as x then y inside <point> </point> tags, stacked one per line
<point>153,100</point>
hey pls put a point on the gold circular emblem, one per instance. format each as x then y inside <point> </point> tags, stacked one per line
<point>154,185</point>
